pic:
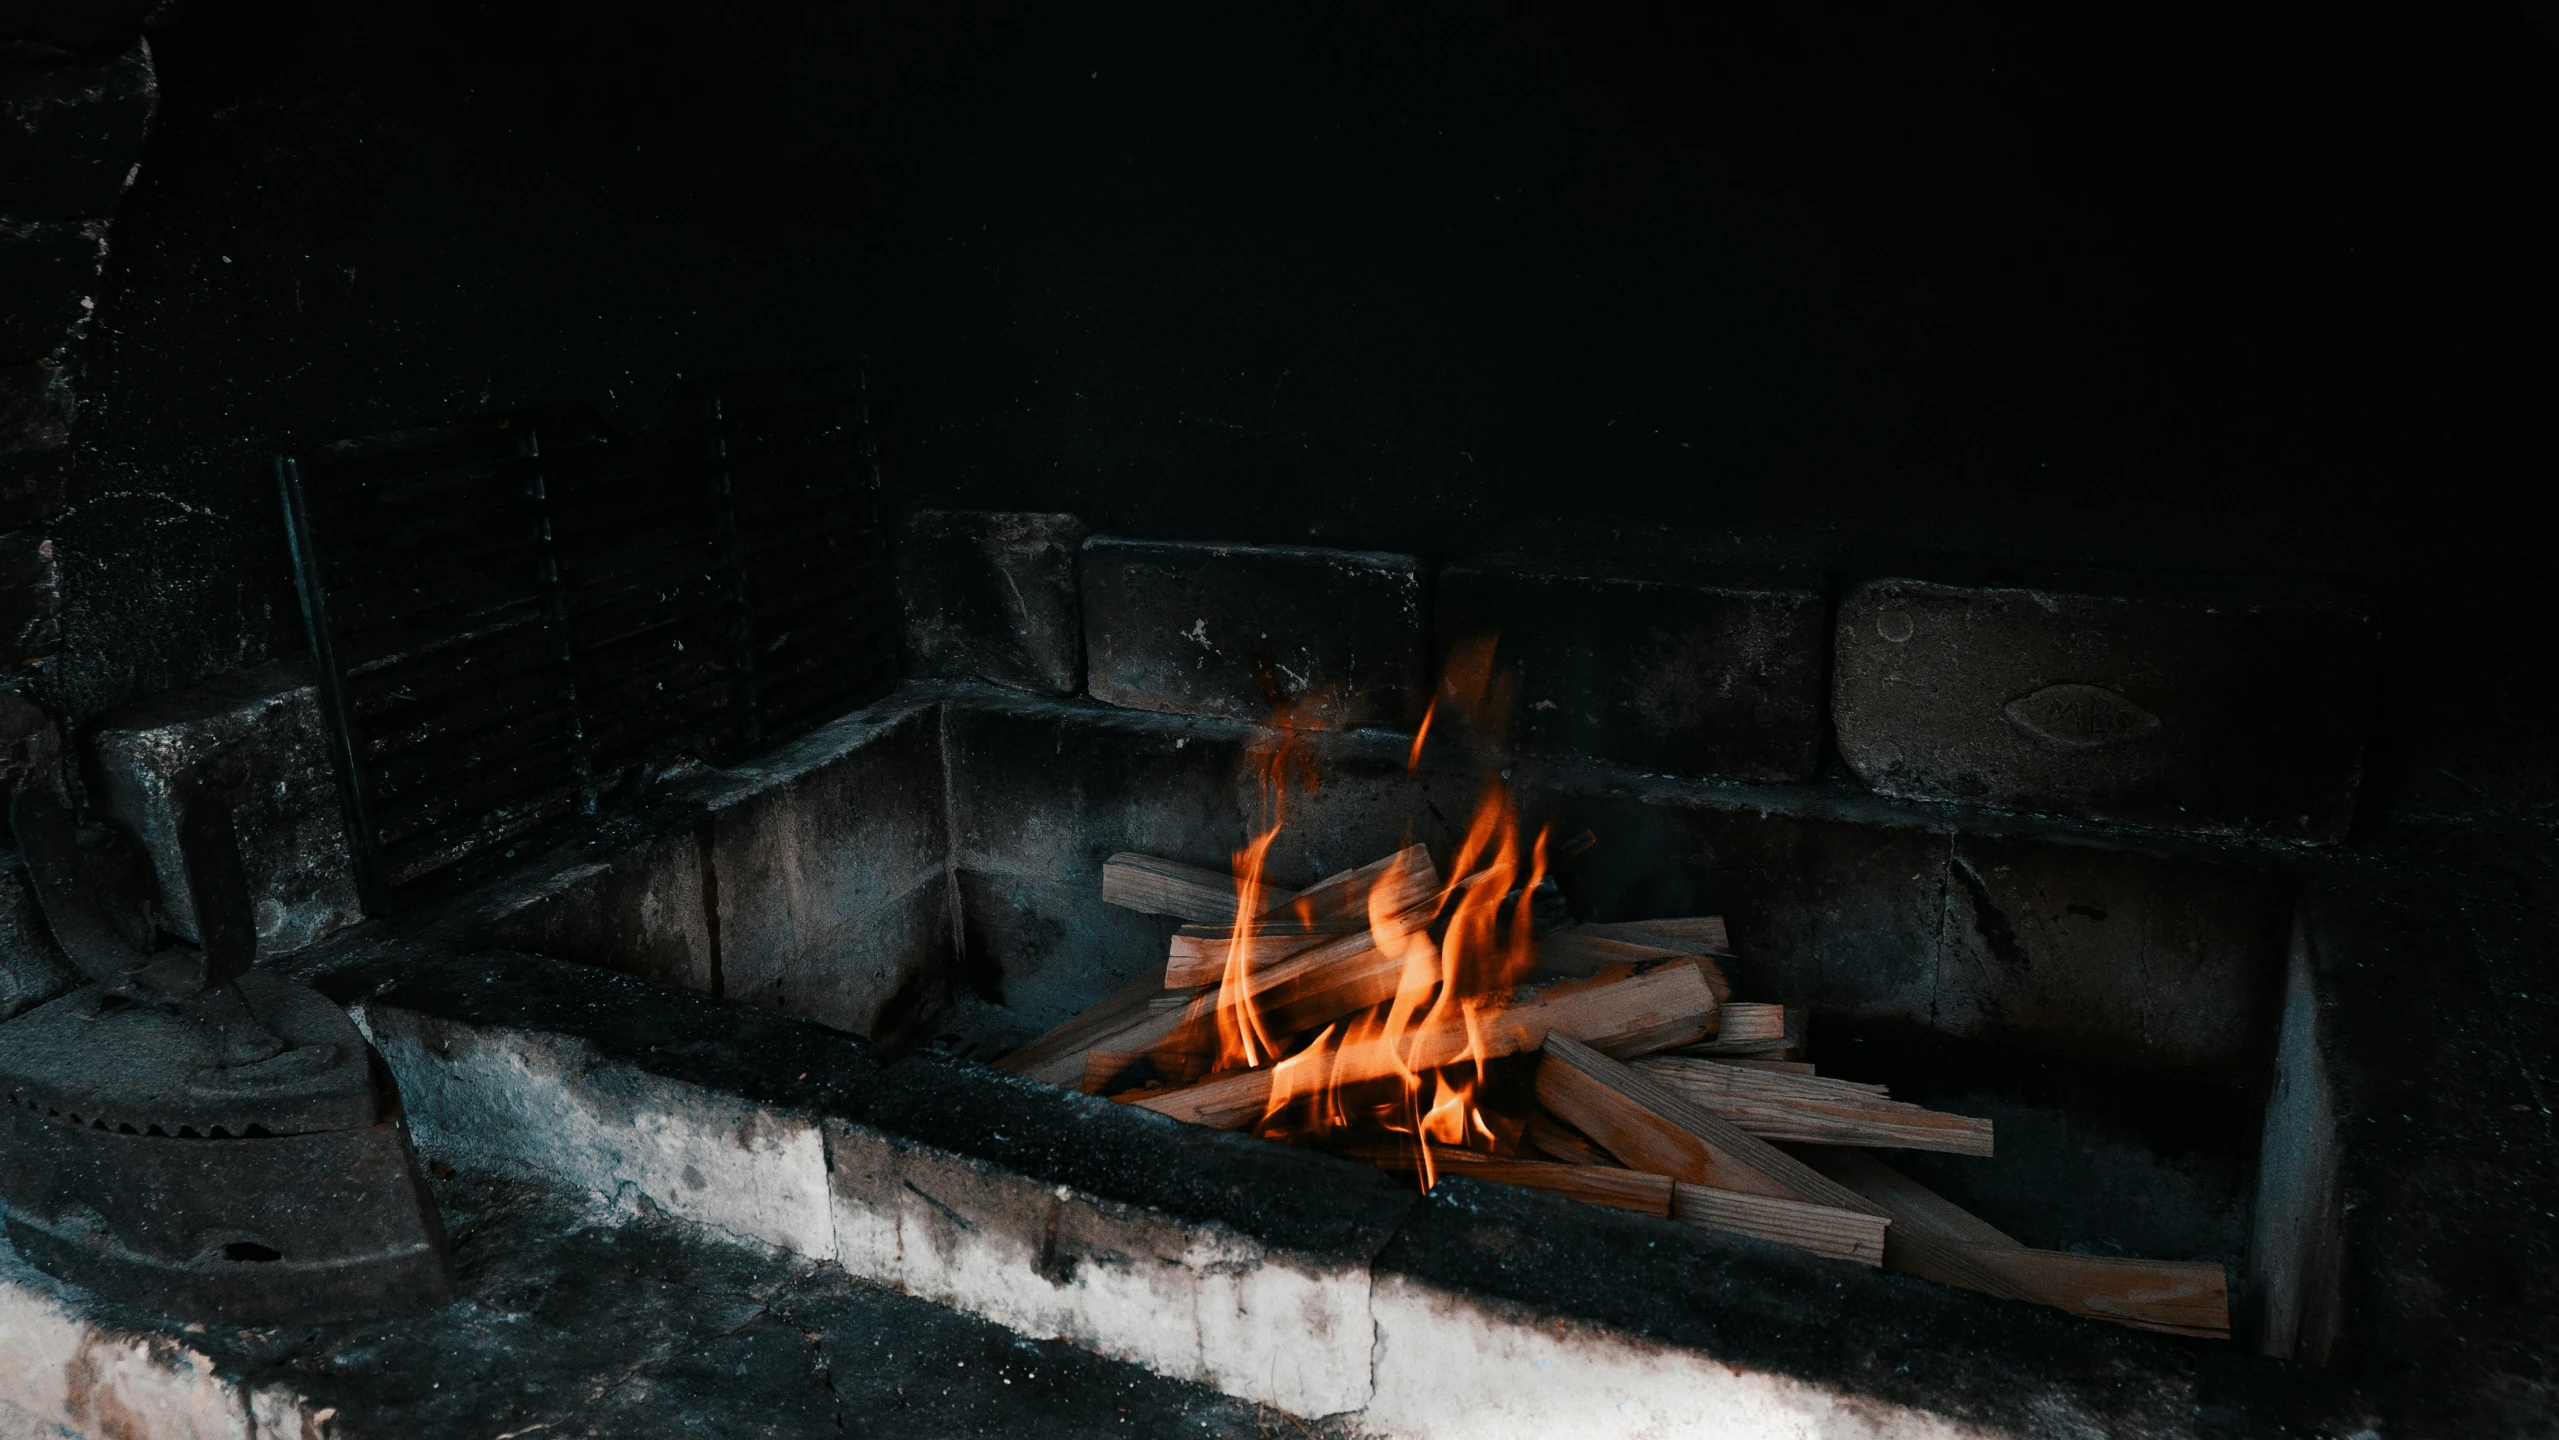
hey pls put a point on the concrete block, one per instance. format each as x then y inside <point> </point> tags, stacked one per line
<point>545,1104</point>
<point>2228,710</point>
<point>48,282</point>
<point>2154,964</point>
<point>990,595</point>
<point>30,599</point>
<point>639,909</point>
<point>293,843</point>
<point>71,132</point>
<point>33,968</point>
<point>818,853</point>
<point>1234,630</point>
<point>1195,1301</point>
<point>1666,673</point>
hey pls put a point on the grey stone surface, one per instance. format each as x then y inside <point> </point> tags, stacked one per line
<point>991,595</point>
<point>2224,709</point>
<point>30,599</point>
<point>71,129</point>
<point>829,857</point>
<point>1235,630</point>
<point>48,282</point>
<point>266,723</point>
<point>1661,671</point>
<point>33,968</point>
<point>637,907</point>
<point>35,433</point>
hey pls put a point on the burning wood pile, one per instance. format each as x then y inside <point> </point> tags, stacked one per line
<point>1444,1025</point>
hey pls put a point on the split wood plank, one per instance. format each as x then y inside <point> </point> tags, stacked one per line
<point>1649,1127</point>
<point>1782,1067</point>
<point>1077,1034</point>
<point>1628,1014</point>
<point>1616,1188</point>
<point>1172,1020</point>
<point>1809,1108</point>
<point>1936,1239</point>
<point>1343,900</point>
<point>1577,952</point>
<point>1327,910</point>
<point>1556,1140</point>
<point>1169,887</point>
<point>1766,1031</point>
<point>1821,1229</point>
<point>1691,935</point>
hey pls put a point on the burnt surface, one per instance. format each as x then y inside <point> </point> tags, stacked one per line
<point>2229,711</point>
<point>1658,671</point>
<point>682,1035</point>
<point>992,596</point>
<point>1241,631</point>
<point>643,1329</point>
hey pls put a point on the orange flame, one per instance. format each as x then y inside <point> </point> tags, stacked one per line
<point>1475,943</point>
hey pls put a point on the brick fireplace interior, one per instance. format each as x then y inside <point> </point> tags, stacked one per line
<point>2025,516</point>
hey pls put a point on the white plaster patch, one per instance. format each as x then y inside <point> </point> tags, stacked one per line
<point>1198,1302</point>
<point>545,1105</point>
<point>1451,1368</point>
<point>64,1375</point>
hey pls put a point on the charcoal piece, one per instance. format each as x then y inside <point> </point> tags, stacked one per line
<point>1239,630</point>
<point>990,595</point>
<point>30,598</point>
<point>1674,674</point>
<point>70,132</point>
<point>2228,709</point>
<point>263,728</point>
<point>48,272</point>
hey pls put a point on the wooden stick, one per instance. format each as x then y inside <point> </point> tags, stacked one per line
<point>1578,952</point>
<point>1556,1140</point>
<point>1169,887</point>
<point>1696,934</point>
<point>1799,1107</point>
<point>1172,1019</point>
<point>1769,1031</point>
<point>1936,1239</point>
<point>1821,1229</point>
<point>1630,1014</point>
<point>1077,1033</point>
<point>1591,1184</point>
<point>1198,954</point>
<point>1782,1067</point>
<point>1648,1127</point>
<point>1342,900</point>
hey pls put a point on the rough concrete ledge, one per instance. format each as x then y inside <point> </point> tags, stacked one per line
<point>574,1322</point>
<point>1277,1276</point>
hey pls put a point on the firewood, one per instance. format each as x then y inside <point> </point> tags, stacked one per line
<point>1168,1020</point>
<point>1822,1229</point>
<point>1627,1014</point>
<point>1766,1031</point>
<point>1781,1067</point>
<point>1700,934</point>
<point>1809,1108</point>
<point>1936,1239</point>
<point>1077,1033</point>
<point>1617,1188</point>
<point>1199,953</point>
<point>1342,900</point>
<point>1169,887</point>
<point>1578,952</point>
<point>1648,1127</point>
<point>1558,1141</point>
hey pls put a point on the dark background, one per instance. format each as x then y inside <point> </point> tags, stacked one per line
<point>2222,288</point>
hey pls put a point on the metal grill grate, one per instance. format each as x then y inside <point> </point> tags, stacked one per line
<point>516,618</point>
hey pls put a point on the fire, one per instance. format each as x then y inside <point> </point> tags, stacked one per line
<point>1470,941</point>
